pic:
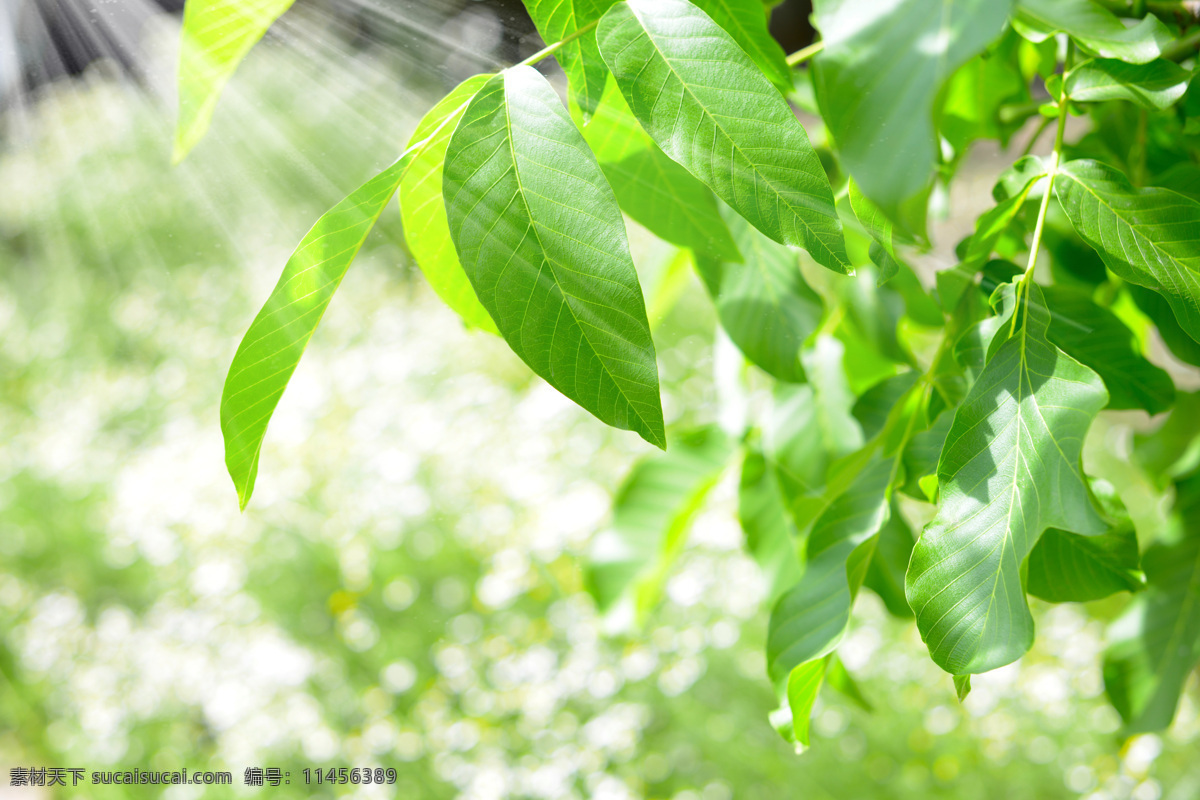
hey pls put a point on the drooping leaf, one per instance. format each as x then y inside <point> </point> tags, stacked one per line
<point>838,678</point>
<point>1094,27</point>
<point>557,20</point>
<point>962,686</point>
<point>1158,309</point>
<point>763,302</point>
<point>1156,84</point>
<point>1096,338</point>
<point>879,74</point>
<point>875,405</point>
<point>793,719</point>
<point>746,22</point>
<point>217,35</point>
<point>1011,468</point>
<point>1069,568</point>
<point>889,562</point>
<point>1155,644</point>
<point>772,538</point>
<point>651,188</point>
<point>271,349</point>
<point>809,620</point>
<point>882,231</point>
<point>652,513</point>
<point>541,238</point>
<point>707,105</point>
<point>426,228</point>
<point>1148,236</point>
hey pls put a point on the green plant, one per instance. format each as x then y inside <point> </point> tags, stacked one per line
<point>967,406</point>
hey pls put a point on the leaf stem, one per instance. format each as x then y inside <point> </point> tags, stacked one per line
<point>805,53</point>
<point>550,49</point>
<point>1055,157</point>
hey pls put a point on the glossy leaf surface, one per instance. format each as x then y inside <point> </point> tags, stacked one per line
<point>1094,27</point>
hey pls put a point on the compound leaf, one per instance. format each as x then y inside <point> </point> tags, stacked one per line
<point>879,74</point>
<point>541,238</point>
<point>1011,468</point>
<point>1147,236</point>
<point>708,106</point>
<point>217,35</point>
<point>426,227</point>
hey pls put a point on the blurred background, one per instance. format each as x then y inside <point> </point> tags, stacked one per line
<point>405,590</point>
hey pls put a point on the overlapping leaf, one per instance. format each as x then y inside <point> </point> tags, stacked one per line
<point>426,228</point>
<point>710,108</point>
<point>878,76</point>
<point>1148,236</point>
<point>1155,644</point>
<point>651,516</point>
<point>541,238</point>
<point>763,302</point>
<point>1010,470</point>
<point>217,35</point>
<point>271,349</point>
<point>651,188</point>
<point>746,22</point>
<point>558,20</point>
<point>772,538</point>
<point>1156,84</point>
<point>1094,27</point>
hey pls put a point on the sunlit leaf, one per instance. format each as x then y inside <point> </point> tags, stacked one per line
<point>879,74</point>
<point>1094,27</point>
<point>1148,236</point>
<point>652,513</point>
<point>709,107</point>
<point>889,563</point>
<point>217,35</point>
<point>271,349</point>
<point>746,22</point>
<point>541,238</point>
<point>1011,468</point>
<point>1157,84</point>
<point>1155,644</point>
<point>426,228</point>
<point>557,20</point>
<point>763,302</point>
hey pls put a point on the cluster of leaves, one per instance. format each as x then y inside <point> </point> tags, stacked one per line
<point>971,398</point>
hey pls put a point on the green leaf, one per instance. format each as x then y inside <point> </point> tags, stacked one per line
<point>1147,236</point>
<point>882,231</point>
<point>652,513</point>
<point>1155,644</point>
<point>763,303</point>
<point>810,619</point>
<point>541,238</point>
<point>772,538</point>
<point>1157,84</point>
<point>879,75</point>
<point>557,20</point>
<point>426,227</point>
<point>800,695</point>
<point>271,349</point>
<point>975,93</point>
<point>1095,337</point>
<point>1010,469</point>
<point>217,35</point>
<point>1096,28</point>
<point>651,188</point>
<point>1069,568</point>
<point>838,678</point>
<point>708,106</point>
<point>889,563</point>
<point>962,686</point>
<point>746,22</point>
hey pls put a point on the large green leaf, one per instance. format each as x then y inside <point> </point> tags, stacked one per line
<point>1010,469</point>
<point>1069,568</point>
<point>1157,84</point>
<point>652,513</point>
<point>879,74</point>
<point>426,228</point>
<point>651,188</point>
<point>772,538</point>
<point>1155,644</point>
<point>1148,236</point>
<point>1094,27</point>
<point>763,302</point>
<point>217,35</point>
<point>558,20</point>
<point>746,22</point>
<point>1094,336</point>
<point>709,107</point>
<point>271,349</point>
<point>541,238</point>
